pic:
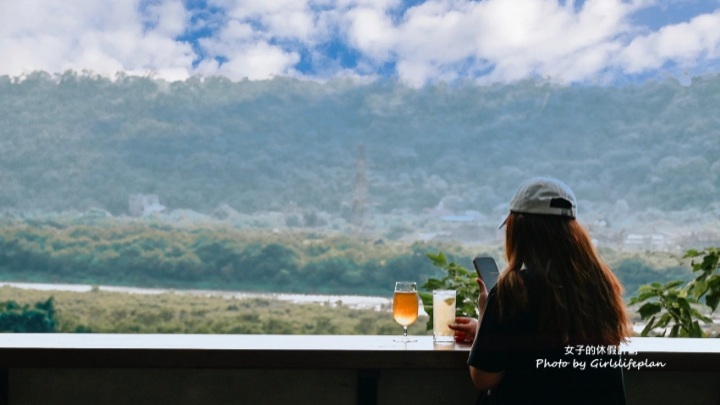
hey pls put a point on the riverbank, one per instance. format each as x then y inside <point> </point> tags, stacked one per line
<point>108,309</point>
<point>351,301</point>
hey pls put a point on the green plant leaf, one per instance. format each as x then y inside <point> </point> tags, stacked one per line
<point>712,300</point>
<point>643,295</point>
<point>713,281</point>
<point>664,320</point>
<point>432,284</point>
<point>683,304</point>
<point>701,317</point>
<point>438,259</point>
<point>650,325</point>
<point>699,288</point>
<point>649,309</point>
<point>696,330</point>
<point>456,277</point>
<point>425,297</point>
<point>710,263</point>
<point>673,284</point>
<point>646,288</point>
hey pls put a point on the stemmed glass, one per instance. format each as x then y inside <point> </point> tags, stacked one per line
<point>405,307</point>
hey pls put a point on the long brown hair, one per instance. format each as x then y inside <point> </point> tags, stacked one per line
<point>580,299</point>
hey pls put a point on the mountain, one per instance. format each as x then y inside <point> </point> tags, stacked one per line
<point>78,141</point>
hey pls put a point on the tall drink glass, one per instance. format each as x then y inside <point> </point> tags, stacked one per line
<point>443,315</point>
<point>405,306</point>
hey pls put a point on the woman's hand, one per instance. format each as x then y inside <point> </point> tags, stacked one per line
<point>465,329</point>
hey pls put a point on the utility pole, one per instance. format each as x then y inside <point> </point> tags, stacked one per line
<point>360,190</point>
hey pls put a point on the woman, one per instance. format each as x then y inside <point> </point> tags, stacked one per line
<point>556,314</point>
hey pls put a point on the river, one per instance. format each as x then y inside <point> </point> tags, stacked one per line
<point>352,301</point>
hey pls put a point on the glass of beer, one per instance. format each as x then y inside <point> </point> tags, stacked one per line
<point>443,315</point>
<point>405,306</point>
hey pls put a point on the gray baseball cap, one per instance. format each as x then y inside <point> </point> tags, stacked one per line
<point>546,196</point>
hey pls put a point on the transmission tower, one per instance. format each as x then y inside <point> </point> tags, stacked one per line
<point>360,191</point>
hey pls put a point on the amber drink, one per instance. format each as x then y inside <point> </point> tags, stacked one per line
<point>405,306</point>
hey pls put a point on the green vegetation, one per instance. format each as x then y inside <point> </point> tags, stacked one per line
<point>259,178</point>
<point>112,312</point>
<point>456,277</point>
<point>636,271</point>
<point>101,311</point>
<point>36,318</point>
<point>212,257</point>
<point>679,305</point>
<point>74,142</point>
<point>144,253</point>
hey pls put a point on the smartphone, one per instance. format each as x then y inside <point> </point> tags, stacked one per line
<point>487,270</point>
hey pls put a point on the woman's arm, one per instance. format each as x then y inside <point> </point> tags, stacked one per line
<point>484,380</point>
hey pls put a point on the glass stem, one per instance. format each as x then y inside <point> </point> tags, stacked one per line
<point>405,331</point>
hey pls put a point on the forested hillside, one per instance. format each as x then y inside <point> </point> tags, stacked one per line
<point>150,254</point>
<point>259,180</point>
<point>75,141</point>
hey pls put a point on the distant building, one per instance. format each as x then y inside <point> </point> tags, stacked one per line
<point>646,242</point>
<point>143,205</point>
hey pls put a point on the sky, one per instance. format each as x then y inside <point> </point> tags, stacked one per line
<point>413,41</point>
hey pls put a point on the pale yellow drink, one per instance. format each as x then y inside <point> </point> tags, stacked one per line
<point>443,315</point>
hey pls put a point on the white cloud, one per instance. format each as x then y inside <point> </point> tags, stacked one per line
<point>435,40</point>
<point>372,4</point>
<point>443,39</point>
<point>372,32</point>
<point>585,64</point>
<point>681,43</point>
<point>247,42</point>
<point>286,19</point>
<point>437,33</point>
<point>257,61</point>
<point>548,39</point>
<point>103,37</point>
<point>246,53</point>
<point>489,40</point>
<point>170,18</point>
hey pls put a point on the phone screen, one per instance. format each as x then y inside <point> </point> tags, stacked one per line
<point>487,270</point>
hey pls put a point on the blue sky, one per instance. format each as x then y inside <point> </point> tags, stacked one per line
<point>417,42</point>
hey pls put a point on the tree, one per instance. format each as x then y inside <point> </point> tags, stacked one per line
<point>40,318</point>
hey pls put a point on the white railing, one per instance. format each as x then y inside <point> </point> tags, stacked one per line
<point>268,369</point>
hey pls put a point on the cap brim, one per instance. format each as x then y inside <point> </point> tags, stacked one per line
<point>504,222</point>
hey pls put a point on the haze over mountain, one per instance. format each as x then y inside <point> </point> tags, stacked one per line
<point>78,141</point>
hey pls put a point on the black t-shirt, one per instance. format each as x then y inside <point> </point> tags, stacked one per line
<point>539,370</point>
